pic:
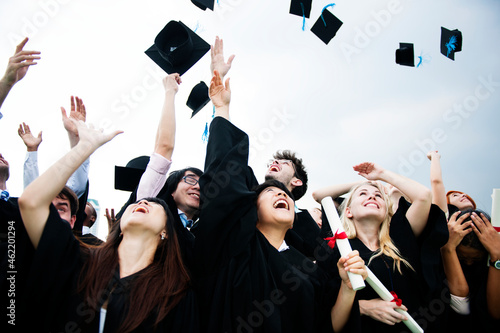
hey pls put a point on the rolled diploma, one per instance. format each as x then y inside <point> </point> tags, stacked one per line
<point>495,208</point>
<point>343,244</point>
<point>385,294</point>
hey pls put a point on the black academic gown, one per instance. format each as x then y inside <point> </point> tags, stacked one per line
<point>53,305</point>
<point>244,283</point>
<point>421,290</point>
<point>305,234</point>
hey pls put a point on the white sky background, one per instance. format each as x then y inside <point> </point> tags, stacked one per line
<point>336,105</point>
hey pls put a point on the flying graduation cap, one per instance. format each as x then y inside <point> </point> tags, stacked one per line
<point>451,42</point>
<point>405,55</point>
<point>301,8</point>
<point>177,48</point>
<point>198,98</point>
<point>204,4</point>
<point>327,25</point>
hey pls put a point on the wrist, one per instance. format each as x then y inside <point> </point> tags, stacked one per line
<point>31,149</point>
<point>6,84</point>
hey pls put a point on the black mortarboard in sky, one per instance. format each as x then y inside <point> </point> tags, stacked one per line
<point>204,4</point>
<point>198,98</point>
<point>177,48</point>
<point>405,55</point>
<point>451,42</point>
<point>301,7</point>
<point>127,178</point>
<point>326,26</point>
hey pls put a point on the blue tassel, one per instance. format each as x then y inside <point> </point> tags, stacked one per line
<point>451,44</point>
<point>423,59</point>
<point>303,16</point>
<point>329,5</point>
<point>204,137</point>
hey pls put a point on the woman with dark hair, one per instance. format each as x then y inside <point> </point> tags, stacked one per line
<point>135,282</point>
<point>471,259</point>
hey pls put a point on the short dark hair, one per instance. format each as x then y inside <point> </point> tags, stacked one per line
<point>176,176</point>
<point>300,171</point>
<point>70,195</point>
<point>471,239</point>
<point>272,183</point>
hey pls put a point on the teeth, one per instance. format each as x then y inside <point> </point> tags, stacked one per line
<point>372,205</point>
<point>281,202</point>
<point>195,195</point>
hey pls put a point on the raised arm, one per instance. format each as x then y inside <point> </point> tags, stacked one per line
<point>437,185</point>
<point>419,195</point>
<point>220,95</point>
<point>217,56</point>
<point>333,191</point>
<point>35,201</point>
<point>17,68</point>
<point>31,161</point>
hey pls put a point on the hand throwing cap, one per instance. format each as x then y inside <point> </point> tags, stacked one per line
<point>405,55</point>
<point>198,98</point>
<point>127,178</point>
<point>177,48</point>
<point>451,42</point>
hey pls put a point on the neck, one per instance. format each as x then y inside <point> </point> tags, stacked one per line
<point>275,236</point>
<point>368,232</point>
<point>190,213</point>
<point>135,252</point>
<point>3,184</point>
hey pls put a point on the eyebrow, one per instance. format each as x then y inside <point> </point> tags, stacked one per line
<point>63,203</point>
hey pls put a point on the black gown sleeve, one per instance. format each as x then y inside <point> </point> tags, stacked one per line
<point>227,214</point>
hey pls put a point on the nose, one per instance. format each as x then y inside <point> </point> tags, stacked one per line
<point>282,193</point>
<point>143,202</point>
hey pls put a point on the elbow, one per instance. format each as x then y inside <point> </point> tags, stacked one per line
<point>317,196</point>
<point>425,197</point>
<point>26,202</point>
<point>436,181</point>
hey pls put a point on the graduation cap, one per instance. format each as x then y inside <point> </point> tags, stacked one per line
<point>204,4</point>
<point>127,178</point>
<point>301,7</point>
<point>451,42</point>
<point>405,55</point>
<point>326,26</point>
<point>198,98</point>
<point>177,48</point>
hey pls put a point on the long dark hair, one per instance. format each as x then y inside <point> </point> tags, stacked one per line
<point>157,289</point>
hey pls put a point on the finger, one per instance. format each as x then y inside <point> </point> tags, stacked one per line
<point>72,104</point>
<point>230,60</point>
<point>40,135</point>
<point>20,130</point>
<point>21,45</point>
<point>228,88</point>
<point>27,128</point>
<point>453,217</point>
<point>113,213</point>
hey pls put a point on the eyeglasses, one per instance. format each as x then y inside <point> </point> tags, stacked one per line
<point>190,180</point>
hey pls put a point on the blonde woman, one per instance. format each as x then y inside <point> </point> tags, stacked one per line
<point>388,241</point>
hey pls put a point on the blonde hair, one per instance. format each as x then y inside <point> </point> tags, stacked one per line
<point>387,247</point>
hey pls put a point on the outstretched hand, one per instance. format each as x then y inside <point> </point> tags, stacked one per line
<point>218,63</point>
<point>29,140</point>
<point>77,113</point>
<point>433,154</point>
<point>19,64</point>
<point>172,82</point>
<point>219,94</point>
<point>91,137</point>
<point>369,170</point>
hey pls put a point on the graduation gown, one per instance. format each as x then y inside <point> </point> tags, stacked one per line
<point>52,303</point>
<point>244,283</point>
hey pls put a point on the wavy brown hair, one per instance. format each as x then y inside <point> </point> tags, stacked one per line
<point>157,289</point>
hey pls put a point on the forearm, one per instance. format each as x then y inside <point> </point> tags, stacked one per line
<point>165,135</point>
<point>454,275</point>
<point>78,180</point>
<point>222,111</point>
<point>333,191</point>
<point>341,311</point>
<point>437,185</point>
<point>493,291</point>
<point>35,201</point>
<point>4,90</point>
<point>415,191</point>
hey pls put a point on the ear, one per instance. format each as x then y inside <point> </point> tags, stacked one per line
<point>348,212</point>
<point>73,220</point>
<point>295,182</point>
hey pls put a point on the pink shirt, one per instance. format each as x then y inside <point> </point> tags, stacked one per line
<point>154,178</point>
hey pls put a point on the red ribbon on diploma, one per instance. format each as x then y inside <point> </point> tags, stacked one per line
<point>338,235</point>
<point>396,300</point>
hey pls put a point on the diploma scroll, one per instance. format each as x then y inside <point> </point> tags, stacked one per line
<point>386,295</point>
<point>495,208</point>
<point>343,244</point>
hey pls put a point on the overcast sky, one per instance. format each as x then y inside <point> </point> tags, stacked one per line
<point>336,105</point>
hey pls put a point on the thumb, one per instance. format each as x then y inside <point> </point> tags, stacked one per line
<point>227,85</point>
<point>40,135</point>
<point>63,112</point>
<point>230,60</point>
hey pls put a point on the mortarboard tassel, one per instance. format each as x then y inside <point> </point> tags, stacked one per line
<point>303,16</point>
<point>451,45</point>
<point>329,5</point>
<point>204,136</point>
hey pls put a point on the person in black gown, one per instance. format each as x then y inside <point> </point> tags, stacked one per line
<point>248,279</point>
<point>402,249</point>
<point>135,282</point>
